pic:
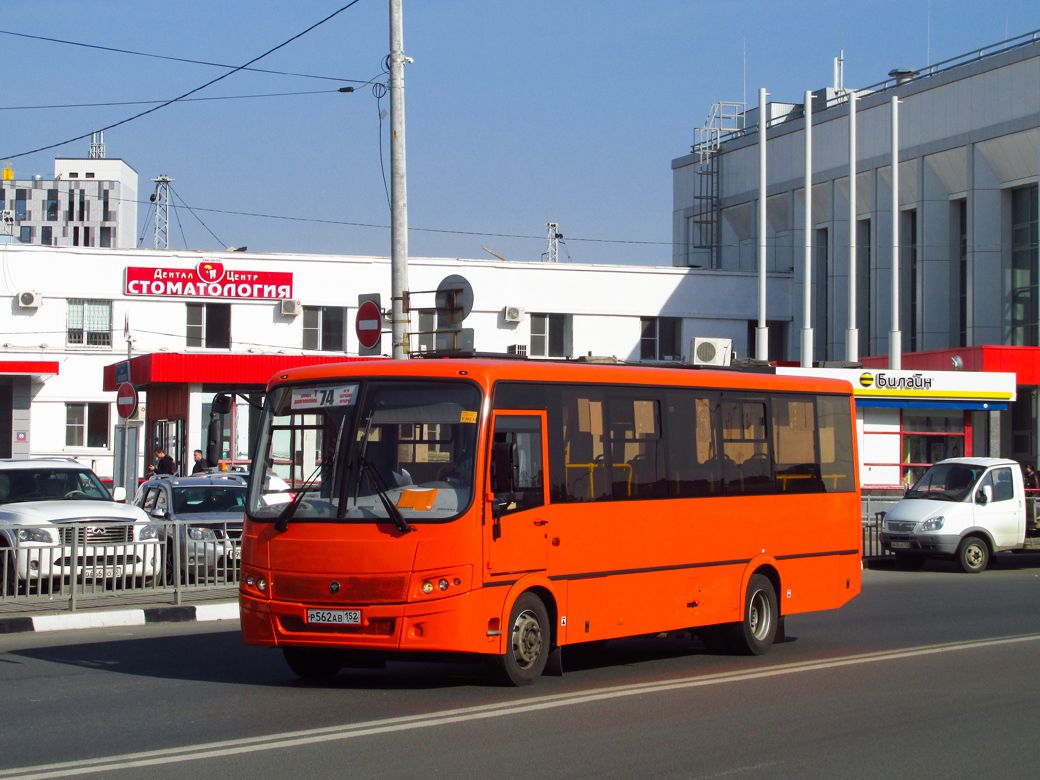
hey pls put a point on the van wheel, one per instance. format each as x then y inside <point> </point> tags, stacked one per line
<point>755,633</point>
<point>973,555</point>
<point>527,646</point>
<point>313,663</point>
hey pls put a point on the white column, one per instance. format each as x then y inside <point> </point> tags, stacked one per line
<point>895,337</point>
<point>807,331</point>
<point>852,334</point>
<point>762,333</point>
<point>398,188</point>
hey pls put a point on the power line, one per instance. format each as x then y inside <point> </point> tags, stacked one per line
<point>177,59</point>
<point>190,92</point>
<point>192,212</point>
<point>153,102</point>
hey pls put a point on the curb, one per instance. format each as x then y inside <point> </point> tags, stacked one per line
<point>122,617</point>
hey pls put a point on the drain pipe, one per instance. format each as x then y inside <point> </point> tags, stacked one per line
<point>895,337</point>
<point>807,331</point>
<point>762,333</point>
<point>852,334</point>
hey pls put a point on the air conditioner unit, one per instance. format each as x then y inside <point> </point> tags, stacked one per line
<point>711,352</point>
<point>513,314</point>
<point>30,300</point>
<point>139,415</point>
<point>291,308</point>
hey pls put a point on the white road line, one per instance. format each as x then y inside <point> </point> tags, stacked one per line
<point>123,617</point>
<point>466,714</point>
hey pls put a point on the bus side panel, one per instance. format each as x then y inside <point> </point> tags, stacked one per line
<point>810,584</point>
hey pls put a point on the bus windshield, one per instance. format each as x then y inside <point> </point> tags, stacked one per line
<point>347,450</point>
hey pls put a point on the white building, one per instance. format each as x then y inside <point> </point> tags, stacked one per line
<point>207,322</point>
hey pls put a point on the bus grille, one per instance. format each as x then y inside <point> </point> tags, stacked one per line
<point>374,589</point>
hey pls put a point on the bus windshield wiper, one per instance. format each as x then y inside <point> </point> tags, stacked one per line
<point>376,480</point>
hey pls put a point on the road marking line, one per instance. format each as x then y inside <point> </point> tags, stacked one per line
<point>206,612</point>
<point>123,617</point>
<point>466,714</point>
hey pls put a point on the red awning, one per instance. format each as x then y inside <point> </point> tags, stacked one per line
<point>34,368</point>
<point>228,369</point>
<point>1024,362</point>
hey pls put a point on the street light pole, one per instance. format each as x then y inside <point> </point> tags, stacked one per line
<point>398,188</point>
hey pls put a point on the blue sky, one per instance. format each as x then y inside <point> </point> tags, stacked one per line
<point>518,113</point>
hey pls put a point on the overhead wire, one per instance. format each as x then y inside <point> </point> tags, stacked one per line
<point>209,83</point>
<point>179,59</point>
<point>153,102</point>
<point>192,212</point>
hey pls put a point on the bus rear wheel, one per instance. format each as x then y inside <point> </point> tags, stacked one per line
<point>313,663</point>
<point>755,633</point>
<point>528,642</point>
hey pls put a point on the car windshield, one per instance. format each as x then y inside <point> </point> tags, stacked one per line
<point>208,498</point>
<point>50,484</point>
<point>947,481</point>
<point>344,450</point>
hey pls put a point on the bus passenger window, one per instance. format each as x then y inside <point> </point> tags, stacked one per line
<point>586,458</point>
<point>693,466</point>
<point>794,445</point>
<point>833,418</point>
<point>637,463</point>
<point>747,468</point>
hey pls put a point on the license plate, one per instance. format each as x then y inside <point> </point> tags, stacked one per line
<point>339,617</point>
<point>899,545</point>
<point>102,572</point>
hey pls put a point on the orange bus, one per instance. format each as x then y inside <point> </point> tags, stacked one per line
<point>508,508</point>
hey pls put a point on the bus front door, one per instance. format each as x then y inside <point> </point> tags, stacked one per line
<point>516,494</point>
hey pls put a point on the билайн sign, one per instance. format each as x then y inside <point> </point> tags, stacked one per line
<point>208,279</point>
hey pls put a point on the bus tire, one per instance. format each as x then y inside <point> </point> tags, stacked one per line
<point>973,554</point>
<point>755,633</point>
<point>527,644</point>
<point>313,663</point>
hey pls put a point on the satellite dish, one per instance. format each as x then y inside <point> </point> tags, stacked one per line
<point>454,300</point>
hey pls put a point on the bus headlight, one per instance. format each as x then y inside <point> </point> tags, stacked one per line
<point>932,524</point>
<point>438,583</point>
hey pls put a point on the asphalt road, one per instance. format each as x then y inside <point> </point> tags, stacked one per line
<point>925,674</point>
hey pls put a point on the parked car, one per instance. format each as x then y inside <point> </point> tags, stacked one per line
<point>201,516</point>
<point>50,507</point>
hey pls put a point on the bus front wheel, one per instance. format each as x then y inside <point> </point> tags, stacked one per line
<point>755,633</point>
<point>527,646</point>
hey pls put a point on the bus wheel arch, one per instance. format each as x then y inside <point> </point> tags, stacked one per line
<point>527,637</point>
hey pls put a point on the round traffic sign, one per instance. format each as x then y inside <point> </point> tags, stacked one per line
<point>369,324</point>
<point>126,400</point>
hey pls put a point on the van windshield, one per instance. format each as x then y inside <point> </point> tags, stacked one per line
<point>346,449</point>
<point>947,482</point>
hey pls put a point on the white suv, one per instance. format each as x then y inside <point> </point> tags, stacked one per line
<point>48,508</point>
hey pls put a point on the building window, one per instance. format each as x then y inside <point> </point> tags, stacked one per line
<point>86,425</point>
<point>106,215</point>
<point>25,234</point>
<point>323,328</point>
<point>52,205</point>
<point>910,222</point>
<point>820,271</point>
<point>962,272</point>
<point>72,204</point>
<point>75,236</point>
<point>105,237</point>
<point>20,211</point>
<point>660,338</point>
<point>209,325</point>
<point>549,335</point>
<point>863,259</point>
<point>1024,267</point>
<point>86,236</point>
<point>90,322</point>
<point>46,235</point>
<point>928,436</point>
<point>84,207</point>
<point>426,335</point>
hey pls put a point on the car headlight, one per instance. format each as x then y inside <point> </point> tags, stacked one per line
<point>202,534</point>
<point>35,535</point>
<point>932,524</point>
<point>148,532</point>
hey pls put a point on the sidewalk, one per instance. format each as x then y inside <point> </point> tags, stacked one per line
<point>118,609</point>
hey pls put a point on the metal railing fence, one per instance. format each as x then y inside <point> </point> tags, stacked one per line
<point>86,560</point>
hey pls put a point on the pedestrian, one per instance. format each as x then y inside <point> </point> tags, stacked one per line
<point>200,465</point>
<point>1032,478</point>
<point>163,463</point>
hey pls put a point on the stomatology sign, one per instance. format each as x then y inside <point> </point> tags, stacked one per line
<point>209,279</point>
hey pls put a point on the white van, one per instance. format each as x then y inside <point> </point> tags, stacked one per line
<point>968,508</point>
